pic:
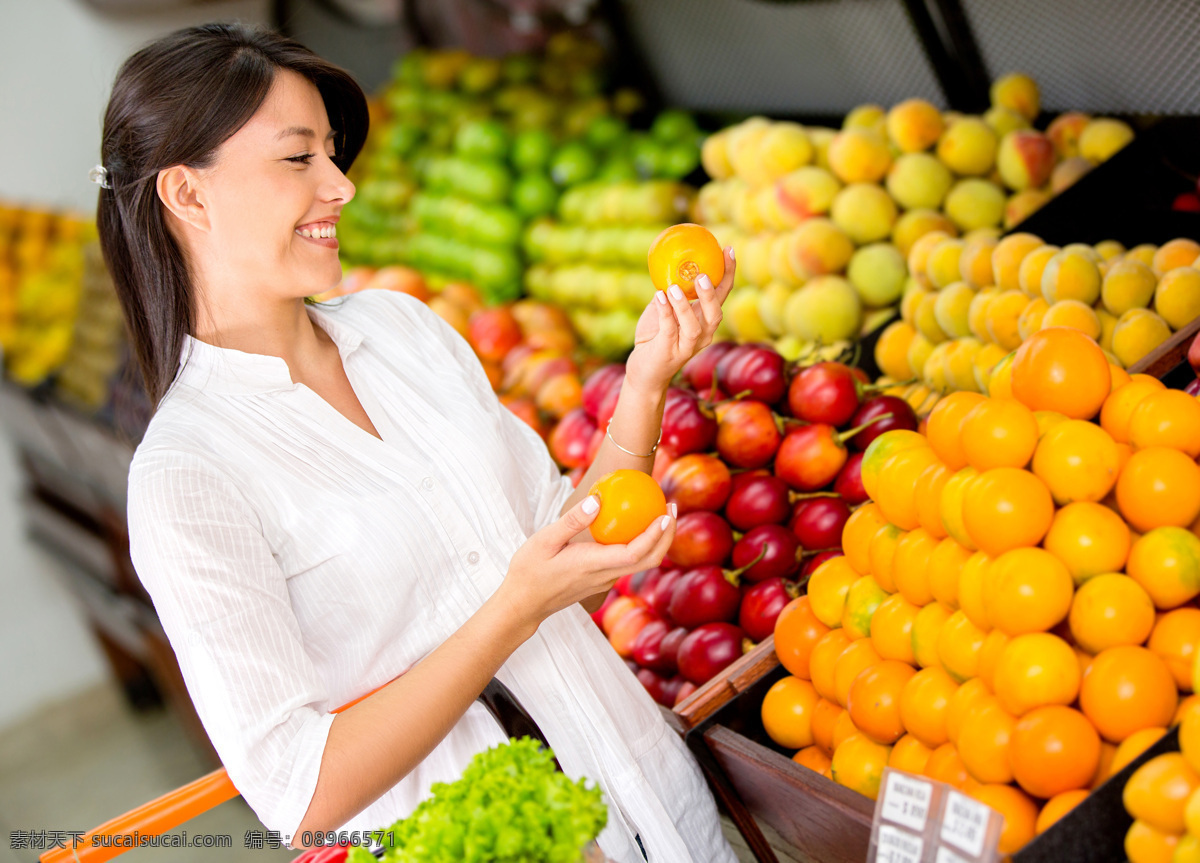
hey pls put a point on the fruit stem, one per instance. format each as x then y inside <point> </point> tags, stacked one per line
<point>747,645</point>
<point>842,437</point>
<point>794,496</point>
<point>734,576</point>
<point>791,588</point>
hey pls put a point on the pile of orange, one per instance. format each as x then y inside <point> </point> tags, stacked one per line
<point>1020,620</point>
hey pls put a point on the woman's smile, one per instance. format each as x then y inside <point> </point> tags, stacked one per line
<point>322,233</point>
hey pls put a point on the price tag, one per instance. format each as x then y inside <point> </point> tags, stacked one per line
<point>906,801</point>
<point>898,846</point>
<point>945,855</point>
<point>965,823</point>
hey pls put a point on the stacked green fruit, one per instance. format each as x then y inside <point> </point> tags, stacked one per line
<point>465,151</point>
<point>592,260</point>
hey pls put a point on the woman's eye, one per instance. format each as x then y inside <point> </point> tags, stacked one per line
<point>303,159</point>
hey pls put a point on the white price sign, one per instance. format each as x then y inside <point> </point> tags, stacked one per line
<point>898,846</point>
<point>906,801</point>
<point>965,823</point>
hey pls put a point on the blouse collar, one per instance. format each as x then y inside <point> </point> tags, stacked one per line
<point>233,372</point>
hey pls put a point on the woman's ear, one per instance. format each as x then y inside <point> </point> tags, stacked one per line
<point>178,189</point>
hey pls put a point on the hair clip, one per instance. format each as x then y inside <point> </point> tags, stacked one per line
<point>99,176</point>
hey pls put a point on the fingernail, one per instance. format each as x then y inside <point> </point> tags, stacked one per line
<point>704,282</point>
<point>673,509</point>
<point>662,298</point>
<point>664,522</point>
<point>732,257</point>
<point>590,504</point>
<point>676,293</point>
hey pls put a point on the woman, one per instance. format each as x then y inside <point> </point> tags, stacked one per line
<point>330,497</point>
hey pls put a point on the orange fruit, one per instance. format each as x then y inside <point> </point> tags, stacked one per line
<point>999,384</point>
<point>959,644</point>
<point>814,758</point>
<point>927,625</point>
<point>910,755</point>
<point>1117,412</point>
<point>1110,610</point>
<point>1035,670</point>
<point>894,487</point>
<point>1144,844</point>
<point>989,657</point>
<point>1158,791</point>
<point>864,597</point>
<point>891,629</point>
<point>787,712</point>
<point>1166,562</point>
<point>928,496</point>
<point>842,728</point>
<point>1189,735</point>
<point>858,764</point>
<point>985,739</point>
<point>797,631</point>
<point>1020,814</point>
<point>945,427</point>
<point>924,703</point>
<point>953,493</point>
<point>855,659</point>
<point>823,661</point>
<point>1176,639</point>
<point>1120,377</point>
<point>999,433</point>
<point>964,698</point>
<point>946,765</point>
<point>1054,749</point>
<point>1168,418</point>
<point>1107,752</point>
<point>1180,252</point>
<point>1063,370</point>
<point>1077,461</point>
<point>1133,746</point>
<point>827,590</point>
<point>1032,591</point>
<point>1126,689</point>
<point>1159,486</point>
<point>824,720</point>
<point>1058,806</point>
<point>1047,420</point>
<point>945,569</point>
<point>874,700</point>
<point>882,554</point>
<point>883,448</point>
<point>630,500</point>
<point>1007,508</point>
<point>862,525</point>
<point>1187,704</point>
<point>970,588</point>
<point>681,253</point>
<point>1089,538</point>
<point>910,567</point>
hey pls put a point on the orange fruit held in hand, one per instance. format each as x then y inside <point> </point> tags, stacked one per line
<point>924,704</point>
<point>1159,486</point>
<point>1058,806</point>
<point>858,764</point>
<point>1054,749</point>
<point>1176,640</point>
<point>1158,791</point>
<point>1063,370</point>
<point>1078,461</point>
<point>1089,538</point>
<point>999,433</point>
<point>874,700</point>
<point>1110,610</point>
<point>787,712</point>
<point>1118,408</point>
<point>680,254</point>
<point>630,501</point>
<point>1020,814</point>
<point>1036,670</point>
<point>1126,689</point>
<point>945,427</point>
<point>1007,508</point>
<point>797,632</point>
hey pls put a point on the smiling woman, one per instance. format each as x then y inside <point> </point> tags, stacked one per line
<point>331,505</point>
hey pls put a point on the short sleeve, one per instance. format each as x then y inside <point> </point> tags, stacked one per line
<point>546,488</point>
<point>223,602</point>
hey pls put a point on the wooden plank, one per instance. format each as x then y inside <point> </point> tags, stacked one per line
<point>716,693</point>
<point>1163,359</point>
<point>823,820</point>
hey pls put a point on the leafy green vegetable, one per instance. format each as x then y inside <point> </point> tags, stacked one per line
<point>510,806</point>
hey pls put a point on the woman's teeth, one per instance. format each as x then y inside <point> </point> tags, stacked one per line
<point>329,231</point>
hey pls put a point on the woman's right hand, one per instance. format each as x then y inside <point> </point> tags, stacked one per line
<point>549,572</point>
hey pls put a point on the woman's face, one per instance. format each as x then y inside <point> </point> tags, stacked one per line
<point>274,197</point>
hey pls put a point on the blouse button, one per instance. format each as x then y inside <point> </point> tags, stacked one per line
<point>427,483</point>
<point>473,558</point>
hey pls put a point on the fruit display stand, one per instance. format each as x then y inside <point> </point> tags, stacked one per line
<point>824,821</point>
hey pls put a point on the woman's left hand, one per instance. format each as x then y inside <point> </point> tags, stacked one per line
<point>672,330</point>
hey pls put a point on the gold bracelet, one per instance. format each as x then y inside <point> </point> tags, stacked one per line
<point>650,454</point>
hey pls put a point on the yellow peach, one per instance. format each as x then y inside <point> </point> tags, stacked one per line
<point>1064,131</point>
<point>975,203</point>
<point>968,147</point>
<point>859,156</point>
<point>864,211</point>
<point>914,224</point>
<point>1100,139</point>
<point>914,125</point>
<point>919,181</point>
<point>1008,255</point>
<point>1017,92</point>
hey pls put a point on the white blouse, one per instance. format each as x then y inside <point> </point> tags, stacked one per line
<point>297,561</point>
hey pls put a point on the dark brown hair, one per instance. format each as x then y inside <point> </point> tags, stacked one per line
<point>175,102</point>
